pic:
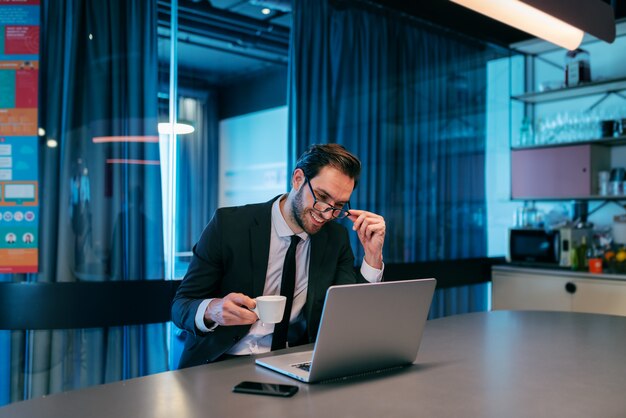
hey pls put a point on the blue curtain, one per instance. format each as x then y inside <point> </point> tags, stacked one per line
<point>409,100</point>
<point>100,189</point>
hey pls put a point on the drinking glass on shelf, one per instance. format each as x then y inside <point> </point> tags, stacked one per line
<point>577,125</point>
<point>603,183</point>
<point>540,132</point>
<point>617,128</point>
<point>544,130</point>
<point>559,124</point>
<point>591,126</point>
<point>526,133</point>
<point>547,127</point>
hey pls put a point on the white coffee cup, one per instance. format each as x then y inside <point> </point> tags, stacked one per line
<point>270,309</point>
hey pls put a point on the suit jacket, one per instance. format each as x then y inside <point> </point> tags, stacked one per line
<point>232,256</point>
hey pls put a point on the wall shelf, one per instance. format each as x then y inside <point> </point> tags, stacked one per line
<point>609,142</point>
<point>586,89</point>
<point>592,198</point>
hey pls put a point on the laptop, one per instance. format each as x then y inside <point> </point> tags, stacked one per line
<point>364,328</point>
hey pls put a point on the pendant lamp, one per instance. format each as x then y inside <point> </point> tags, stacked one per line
<point>562,22</point>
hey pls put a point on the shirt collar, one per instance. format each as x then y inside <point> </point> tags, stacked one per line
<point>280,224</point>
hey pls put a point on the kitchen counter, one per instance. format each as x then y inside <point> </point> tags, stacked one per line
<point>547,289</point>
<point>557,271</point>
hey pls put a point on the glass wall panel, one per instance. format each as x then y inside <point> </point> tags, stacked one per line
<point>100,191</point>
<point>230,64</point>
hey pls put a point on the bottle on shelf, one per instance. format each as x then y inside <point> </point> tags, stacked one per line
<point>583,261</point>
<point>574,262</point>
<point>577,67</point>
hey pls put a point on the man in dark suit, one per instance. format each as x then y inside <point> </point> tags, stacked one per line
<point>241,252</point>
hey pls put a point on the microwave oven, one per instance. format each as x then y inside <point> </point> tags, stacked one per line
<point>534,245</point>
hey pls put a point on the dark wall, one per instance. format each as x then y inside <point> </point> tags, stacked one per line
<point>265,91</point>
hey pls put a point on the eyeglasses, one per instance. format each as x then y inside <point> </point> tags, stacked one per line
<point>323,207</point>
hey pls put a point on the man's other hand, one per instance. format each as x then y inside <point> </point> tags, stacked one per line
<point>370,229</point>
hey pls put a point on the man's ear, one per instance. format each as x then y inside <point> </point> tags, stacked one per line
<point>297,179</point>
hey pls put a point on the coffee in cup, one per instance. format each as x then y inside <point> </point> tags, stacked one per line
<point>270,309</point>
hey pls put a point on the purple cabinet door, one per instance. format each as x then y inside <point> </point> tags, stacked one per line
<point>560,172</point>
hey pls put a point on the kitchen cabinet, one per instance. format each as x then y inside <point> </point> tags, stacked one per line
<point>557,172</point>
<point>516,288</point>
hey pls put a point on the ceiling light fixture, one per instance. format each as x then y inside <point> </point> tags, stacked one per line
<point>179,128</point>
<point>562,22</point>
<point>146,138</point>
<point>266,11</point>
<point>132,161</point>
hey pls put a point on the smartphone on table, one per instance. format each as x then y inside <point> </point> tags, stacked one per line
<point>271,389</point>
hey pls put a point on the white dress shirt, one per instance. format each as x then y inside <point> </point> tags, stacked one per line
<point>259,338</point>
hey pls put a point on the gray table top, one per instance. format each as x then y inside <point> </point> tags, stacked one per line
<point>495,364</point>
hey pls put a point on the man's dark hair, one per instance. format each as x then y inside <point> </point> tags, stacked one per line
<point>319,156</point>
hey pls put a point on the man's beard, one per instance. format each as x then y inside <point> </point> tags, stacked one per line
<point>300,214</point>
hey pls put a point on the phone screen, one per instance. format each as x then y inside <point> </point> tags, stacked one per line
<point>259,388</point>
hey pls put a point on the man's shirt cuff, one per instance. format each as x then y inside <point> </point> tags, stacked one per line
<point>200,317</point>
<point>370,273</point>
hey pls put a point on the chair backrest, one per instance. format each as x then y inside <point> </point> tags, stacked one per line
<point>449,273</point>
<point>68,305</point>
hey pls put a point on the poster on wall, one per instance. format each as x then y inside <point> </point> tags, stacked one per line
<point>19,75</point>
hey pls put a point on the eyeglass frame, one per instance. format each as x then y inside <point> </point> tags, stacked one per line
<point>345,210</point>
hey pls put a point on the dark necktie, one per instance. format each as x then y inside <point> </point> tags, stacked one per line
<point>287,288</point>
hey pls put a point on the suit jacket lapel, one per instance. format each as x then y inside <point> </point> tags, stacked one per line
<point>260,235</point>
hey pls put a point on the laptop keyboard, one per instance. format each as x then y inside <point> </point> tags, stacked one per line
<point>306,366</point>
